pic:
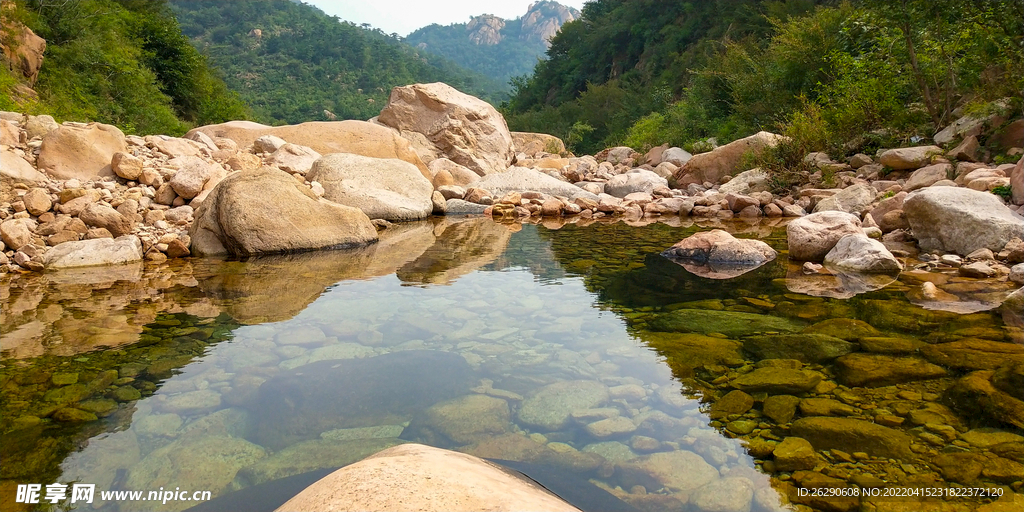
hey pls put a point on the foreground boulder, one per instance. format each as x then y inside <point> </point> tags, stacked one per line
<point>357,137</point>
<point>858,253</point>
<point>453,125</point>
<point>88,253</point>
<point>265,211</point>
<point>960,220</point>
<point>724,160</point>
<point>418,477</point>
<point>717,246</point>
<point>812,237</point>
<point>82,152</point>
<point>382,188</point>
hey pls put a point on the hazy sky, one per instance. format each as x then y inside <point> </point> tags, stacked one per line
<point>405,16</point>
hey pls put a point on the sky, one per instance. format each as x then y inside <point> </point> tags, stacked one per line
<point>405,16</point>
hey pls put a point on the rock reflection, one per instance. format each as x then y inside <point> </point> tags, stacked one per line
<point>834,284</point>
<point>460,246</point>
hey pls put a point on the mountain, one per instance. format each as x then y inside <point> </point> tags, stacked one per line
<point>292,62</point>
<point>497,47</point>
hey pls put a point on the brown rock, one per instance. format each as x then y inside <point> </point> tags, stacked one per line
<point>794,454</point>
<point>37,201</point>
<point>80,152</point>
<point>23,50</point>
<point>356,137</point>
<point>973,354</point>
<point>126,165</point>
<point>464,129</point>
<point>862,369</point>
<point>724,160</point>
<point>101,216</point>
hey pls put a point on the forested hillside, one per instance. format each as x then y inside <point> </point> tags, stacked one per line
<point>292,63</point>
<point>643,72</point>
<point>122,62</point>
<point>493,46</point>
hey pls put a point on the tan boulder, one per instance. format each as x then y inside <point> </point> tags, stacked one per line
<point>193,173</point>
<point>460,174</point>
<point>810,238</point>
<point>80,152</point>
<point>126,165</point>
<point>100,251</point>
<point>10,134</point>
<point>324,137</point>
<point>102,216</point>
<point>37,201</point>
<point>266,210</point>
<point>418,477</point>
<point>535,143</point>
<point>383,188</point>
<point>293,158</point>
<point>724,160</point>
<point>38,126</point>
<point>462,128</point>
<point>15,169</point>
<point>909,158</point>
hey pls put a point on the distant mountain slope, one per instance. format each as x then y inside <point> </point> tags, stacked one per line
<point>494,46</point>
<point>293,63</point>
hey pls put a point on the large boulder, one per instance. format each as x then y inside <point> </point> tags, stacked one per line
<point>266,210</point>
<point>858,253</point>
<point>382,188</point>
<point>82,152</point>
<point>459,127</point>
<point>534,143</point>
<point>960,220</point>
<point>324,137</point>
<point>193,173</point>
<point>927,176</point>
<point>418,477</point>
<point>852,435</point>
<point>636,180</point>
<point>15,169</point>
<point>909,158</point>
<point>293,158</point>
<point>856,200</point>
<point>812,237</point>
<point>717,246</point>
<point>724,160</point>
<point>99,251</point>
<point>521,179</point>
<point>747,182</point>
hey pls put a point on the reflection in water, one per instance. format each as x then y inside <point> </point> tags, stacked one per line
<point>579,348</point>
<point>834,283</point>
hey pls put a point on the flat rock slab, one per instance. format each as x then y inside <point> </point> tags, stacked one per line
<point>860,369</point>
<point>100,251</point>
<point>852,435</point>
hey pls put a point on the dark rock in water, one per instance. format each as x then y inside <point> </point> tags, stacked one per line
<point>387,389</point>
<point>809,348</point>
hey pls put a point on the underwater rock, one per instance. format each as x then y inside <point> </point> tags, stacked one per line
<point>461,421</point>
<point>729,323</point>
<point>309,456</point>
<point>677,471</point>
<point>386,389</point>
<point>860,369</point>
<point>809,348</point>
<point>550,407</point>
<point>852,435</point>
<point>777,381</point>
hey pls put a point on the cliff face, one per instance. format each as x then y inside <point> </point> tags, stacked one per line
<point>485,29</point>
<point>543,20</point>
<point>540,23</point>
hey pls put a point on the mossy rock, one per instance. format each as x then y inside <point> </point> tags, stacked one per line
<point>729,323</point>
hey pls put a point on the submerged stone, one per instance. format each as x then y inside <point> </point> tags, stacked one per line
<point>461,421</point>
<point>844,328</point>
<point>551,406</point>
<point>777,381</point>
<point>729,323</point>
<point>312,455</point>
<point>852,436</point>
<point>809,348</point>
<point>860,369</point>
<point>387,389</point>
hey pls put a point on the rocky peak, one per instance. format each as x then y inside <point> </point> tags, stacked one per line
<point>485,29</point>
<point>543,20</point>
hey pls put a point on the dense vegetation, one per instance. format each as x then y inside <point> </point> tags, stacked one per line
<point>122,62</point>
<point>292,63</point>
<point>645,72</point>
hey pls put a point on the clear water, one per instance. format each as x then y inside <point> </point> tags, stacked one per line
<point>525,343</point>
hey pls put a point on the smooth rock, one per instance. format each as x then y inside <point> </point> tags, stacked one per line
<point>812,237</point>
<point>852,435</point>
<point>948,219</point>
<point>387,189</point>
<point>279,216</point>
<point>858,253</point>
<point>909,158</point>
<point>550,407</point>
<point>80,152</point>
<point>100,251</point>
<point>860,369</point>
